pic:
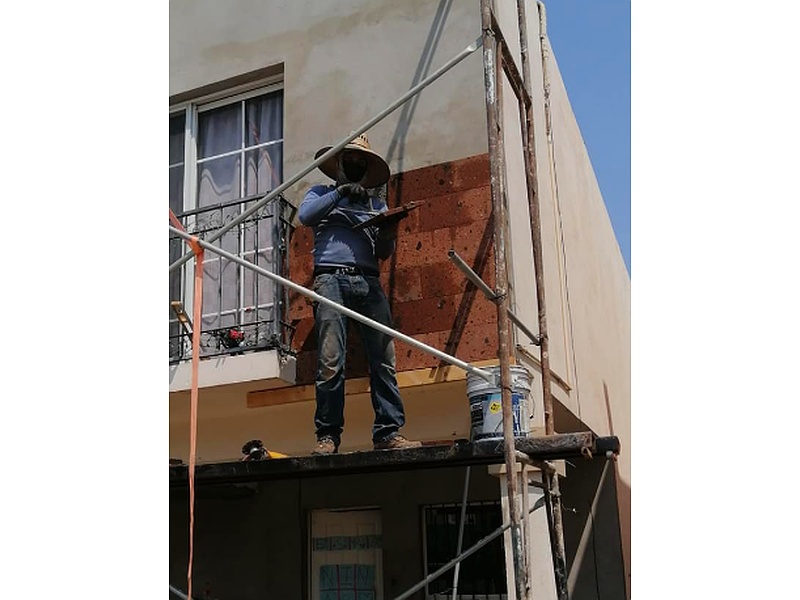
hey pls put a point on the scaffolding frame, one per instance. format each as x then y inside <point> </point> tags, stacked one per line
<point>497,59</point>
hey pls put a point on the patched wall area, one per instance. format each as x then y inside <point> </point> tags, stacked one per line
<point>430,298</point>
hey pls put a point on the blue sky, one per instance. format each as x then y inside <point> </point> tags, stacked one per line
<point>592,44</point>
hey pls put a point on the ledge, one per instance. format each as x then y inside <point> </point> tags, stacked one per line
<point>555,447</point>
<point>360,385</point>
<point>229,369</point>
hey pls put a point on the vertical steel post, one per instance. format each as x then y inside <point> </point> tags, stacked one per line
<point>550,479</point>
<point>526,524</point>
<point>536,225</point>
<point>497,175</point>
<point>461,523</point>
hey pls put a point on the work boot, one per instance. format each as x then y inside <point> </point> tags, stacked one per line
<point>325,445</point>
<point>396,442</point>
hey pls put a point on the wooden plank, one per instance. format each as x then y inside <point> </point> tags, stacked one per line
<point>405,380</point>
<point>554,447</point>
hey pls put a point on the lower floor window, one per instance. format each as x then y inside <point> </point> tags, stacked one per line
<point>482,576</point>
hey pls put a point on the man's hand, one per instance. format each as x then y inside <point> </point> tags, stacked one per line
<point>355,191</point>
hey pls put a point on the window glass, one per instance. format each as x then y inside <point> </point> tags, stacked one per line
<point>263,169</point>
<point>218,180</point>
<point>264,118</point>
<point>219,130</point>
<point>177,135</point>
<point>239,153</point>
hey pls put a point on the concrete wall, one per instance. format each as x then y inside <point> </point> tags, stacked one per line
<point>595,561</point>
<point>251,541</point>
<point>255,546</point>
<point>588,286</point>
<point>343,62</point>
<point>437,411</point>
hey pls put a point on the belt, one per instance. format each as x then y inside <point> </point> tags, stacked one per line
<point>324,270</point>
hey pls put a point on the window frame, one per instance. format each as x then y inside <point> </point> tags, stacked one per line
<point>424,508</point>
<point>191,111</point>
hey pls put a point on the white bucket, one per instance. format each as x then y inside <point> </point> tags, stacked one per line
<point>485,406</point>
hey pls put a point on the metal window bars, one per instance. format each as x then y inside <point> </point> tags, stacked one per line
<point>242,312</point>
<point>484,572</point>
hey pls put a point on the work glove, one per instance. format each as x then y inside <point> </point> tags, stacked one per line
<point>354,191</point>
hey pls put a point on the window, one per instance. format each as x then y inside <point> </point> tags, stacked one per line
<point>224,156</point>
<point>482,576</point>
<point>346,548</point>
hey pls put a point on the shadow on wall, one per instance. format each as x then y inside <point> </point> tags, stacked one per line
<point>623,498</point>
<point>592,531</point>
<point>596,514</point>
<point>397,146</point>
<point>479,267</point>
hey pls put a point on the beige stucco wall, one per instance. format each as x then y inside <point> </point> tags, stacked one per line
<point>225,422</point>
<point>587,283</point>
<point>344,62</point>
<point>587,286</point>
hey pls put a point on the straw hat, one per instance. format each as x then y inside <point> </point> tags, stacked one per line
<point>377,169</point>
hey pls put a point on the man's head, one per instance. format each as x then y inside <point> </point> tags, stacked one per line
<point>352,166</point>
<point>356,163</point>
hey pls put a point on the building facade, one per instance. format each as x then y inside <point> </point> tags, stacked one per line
<point>256,88</point>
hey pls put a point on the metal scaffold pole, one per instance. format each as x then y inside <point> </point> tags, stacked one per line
<point>491,59</point>
<point>550,478</point>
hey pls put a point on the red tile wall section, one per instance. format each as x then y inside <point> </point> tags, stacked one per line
<point>431,300</point>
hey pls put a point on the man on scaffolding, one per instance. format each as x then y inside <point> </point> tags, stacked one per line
<point>346,255</point>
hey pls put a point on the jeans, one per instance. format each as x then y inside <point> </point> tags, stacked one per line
<point>364,295</point>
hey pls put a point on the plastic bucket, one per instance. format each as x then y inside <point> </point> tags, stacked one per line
<point>486,414</point>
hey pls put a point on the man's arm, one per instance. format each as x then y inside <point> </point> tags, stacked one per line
<point>317,204</point>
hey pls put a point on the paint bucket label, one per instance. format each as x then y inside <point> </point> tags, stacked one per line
<point>486,408</point>
<point>486,415</point>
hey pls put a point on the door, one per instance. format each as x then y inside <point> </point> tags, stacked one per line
<point>346,555</point>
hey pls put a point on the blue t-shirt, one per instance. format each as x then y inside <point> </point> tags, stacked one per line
<point>336,243</point>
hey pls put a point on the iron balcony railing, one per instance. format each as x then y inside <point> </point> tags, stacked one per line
<point>242,312</point>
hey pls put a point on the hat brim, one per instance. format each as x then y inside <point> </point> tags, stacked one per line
<point>377,168</point>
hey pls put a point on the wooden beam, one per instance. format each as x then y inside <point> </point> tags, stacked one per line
<point>360,385</point>
<point>554,447</point>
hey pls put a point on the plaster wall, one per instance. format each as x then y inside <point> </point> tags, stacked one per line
<point>251,540</point>
<point>343,62</point>
<point>225,423</point>
<point>255,546</point>
<point>588,288</point>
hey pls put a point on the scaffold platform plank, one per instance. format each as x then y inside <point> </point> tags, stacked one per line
<point>489,451</point>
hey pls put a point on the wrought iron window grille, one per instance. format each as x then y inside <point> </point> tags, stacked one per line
<point>242,312</point>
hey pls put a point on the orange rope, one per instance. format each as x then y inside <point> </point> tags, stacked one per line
<point>197,317</point>
<point>175,222</point>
